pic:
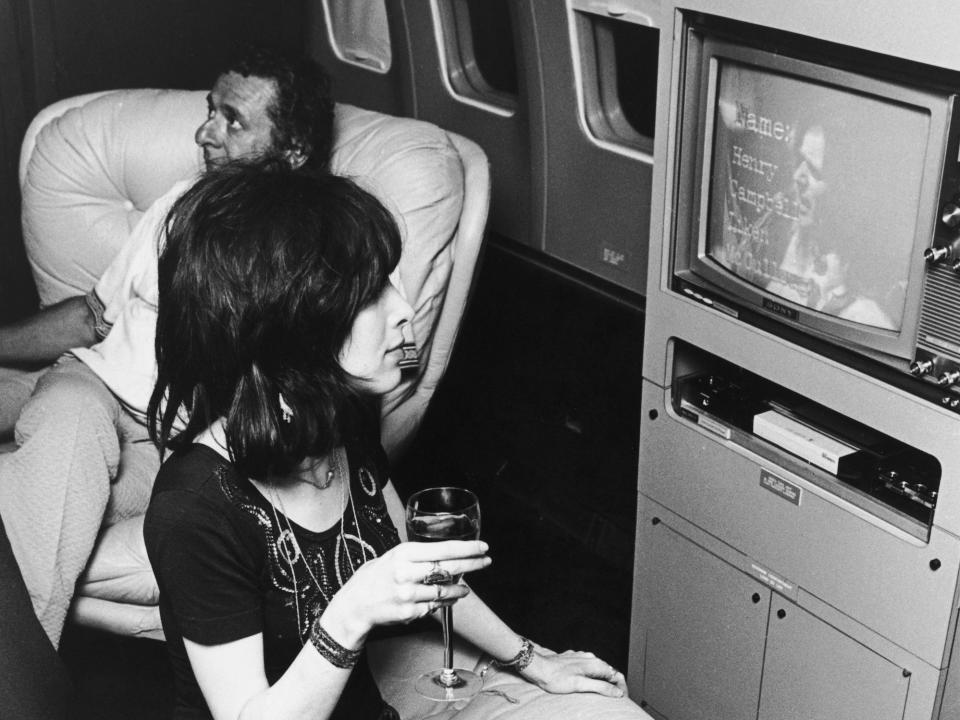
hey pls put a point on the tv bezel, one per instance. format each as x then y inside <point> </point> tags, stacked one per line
<point>693,266</point>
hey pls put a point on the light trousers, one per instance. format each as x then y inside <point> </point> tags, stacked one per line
<point>81,461</point>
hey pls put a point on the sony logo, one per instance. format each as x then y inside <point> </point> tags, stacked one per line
<point>780,309</point>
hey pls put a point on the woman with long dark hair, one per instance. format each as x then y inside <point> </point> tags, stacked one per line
<point>274,530</point>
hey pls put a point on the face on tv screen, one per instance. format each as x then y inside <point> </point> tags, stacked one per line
<point>814,192</point>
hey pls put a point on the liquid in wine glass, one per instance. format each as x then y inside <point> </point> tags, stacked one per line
<point>433,515</point>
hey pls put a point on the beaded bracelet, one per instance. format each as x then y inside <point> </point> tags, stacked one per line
<point>332,651</point>
<point>521,660</point>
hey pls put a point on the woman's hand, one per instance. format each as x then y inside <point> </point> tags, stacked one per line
<point>405,583</point>
<point>573,672</point>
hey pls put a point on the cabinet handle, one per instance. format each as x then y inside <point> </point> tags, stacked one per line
<point>781,613</point>
<point>755,597</point>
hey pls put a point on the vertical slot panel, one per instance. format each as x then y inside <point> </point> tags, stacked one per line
<point>471,60</point>
<point>359,33</point>
<point>363,47</point>
<point>599,115</point>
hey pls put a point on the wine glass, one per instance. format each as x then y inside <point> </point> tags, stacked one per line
<point>435,514</point>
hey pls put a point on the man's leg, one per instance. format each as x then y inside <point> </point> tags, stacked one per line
<point>34,682</point>
<point>16,386</point>
<point>54,488</point>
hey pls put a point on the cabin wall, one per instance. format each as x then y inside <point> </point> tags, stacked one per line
<point>514,76</point>
<point>17,102</point>
<point>523,79</point>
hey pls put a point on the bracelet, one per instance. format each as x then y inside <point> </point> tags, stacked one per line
<point>521,660</point>
<point>330,650</point>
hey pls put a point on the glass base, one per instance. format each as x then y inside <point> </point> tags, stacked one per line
<point>449,685</point>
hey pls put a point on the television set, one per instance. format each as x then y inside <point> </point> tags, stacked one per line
<point>817,197</point>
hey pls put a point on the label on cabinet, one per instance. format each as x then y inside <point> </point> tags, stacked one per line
<point>778,486</point>
<point>773,580</point>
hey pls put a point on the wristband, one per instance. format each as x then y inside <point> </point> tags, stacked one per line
<point>521,660</point>
<point>330,650</point>
<point>100,326</point>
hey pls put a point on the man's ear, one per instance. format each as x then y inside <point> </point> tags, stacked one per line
<point>295,155</point>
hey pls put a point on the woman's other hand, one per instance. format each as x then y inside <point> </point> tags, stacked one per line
<point>573,672</point>
<point>407,582</point>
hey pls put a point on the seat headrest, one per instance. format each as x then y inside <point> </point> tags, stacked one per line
<point>92,172</point>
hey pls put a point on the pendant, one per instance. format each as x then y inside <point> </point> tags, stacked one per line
<point>287,547</point>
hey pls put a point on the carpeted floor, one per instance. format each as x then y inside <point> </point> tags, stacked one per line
<point>539,414</point>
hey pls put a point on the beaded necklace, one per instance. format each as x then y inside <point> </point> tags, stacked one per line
<point>289,549</point>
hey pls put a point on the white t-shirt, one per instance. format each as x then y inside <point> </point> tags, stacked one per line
<point>125,359</point>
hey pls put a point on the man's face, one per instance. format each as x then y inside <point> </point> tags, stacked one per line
<point>808,177</point>
<point>237,124</point>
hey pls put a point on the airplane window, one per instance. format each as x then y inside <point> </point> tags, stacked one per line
<point>618,62</point>
<point>477,38</point>
<point>359,33</point>
<point>492,35</point>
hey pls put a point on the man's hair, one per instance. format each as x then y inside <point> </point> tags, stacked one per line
<point>262,275</point>
<point>302,109</point>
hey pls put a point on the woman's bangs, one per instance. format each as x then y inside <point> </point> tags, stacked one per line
<point>379,259</point>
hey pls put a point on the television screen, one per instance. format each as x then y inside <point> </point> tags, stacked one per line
<point>814,191</point>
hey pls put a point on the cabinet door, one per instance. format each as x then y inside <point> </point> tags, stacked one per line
<point>815,672</point>
<point>704,632</point>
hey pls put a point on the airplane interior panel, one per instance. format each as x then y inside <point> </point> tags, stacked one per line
<point>364,47</point>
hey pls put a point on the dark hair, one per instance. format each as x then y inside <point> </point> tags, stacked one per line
<point>262,276</point>
<point>302,110</point>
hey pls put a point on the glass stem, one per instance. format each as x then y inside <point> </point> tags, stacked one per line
<point>448,677</point>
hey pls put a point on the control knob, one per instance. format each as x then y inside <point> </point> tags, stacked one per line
<point>935,254</point>
<point>921,367</point>
<point>951,214</point>
<point>949,377</point>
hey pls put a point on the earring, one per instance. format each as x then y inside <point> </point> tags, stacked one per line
<point>409,356</point>
<point>286,412</point>
<point>295,156</point>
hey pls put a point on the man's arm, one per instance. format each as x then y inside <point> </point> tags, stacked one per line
<point>46,335</point>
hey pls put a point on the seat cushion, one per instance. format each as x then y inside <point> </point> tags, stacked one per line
<point>414,169</point>
<point>119,569</point>
<point>92,172</point>
<point>397,662</point>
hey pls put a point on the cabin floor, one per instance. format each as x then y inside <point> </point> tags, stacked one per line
<point>539,415</point>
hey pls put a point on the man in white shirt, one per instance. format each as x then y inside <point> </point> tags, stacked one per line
<point>83,453</point>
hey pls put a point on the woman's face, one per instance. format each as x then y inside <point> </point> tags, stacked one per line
<point>372,352</point>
